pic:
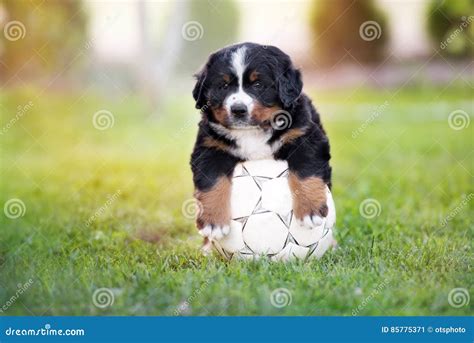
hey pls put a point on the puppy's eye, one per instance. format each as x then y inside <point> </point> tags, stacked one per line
<point>257,85</point>
<point>225,85</point>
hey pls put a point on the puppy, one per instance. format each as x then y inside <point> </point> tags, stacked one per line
<point>252,106</point>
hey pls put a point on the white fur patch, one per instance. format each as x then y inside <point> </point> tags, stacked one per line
<point>238,65</point>
<point>251,143</point>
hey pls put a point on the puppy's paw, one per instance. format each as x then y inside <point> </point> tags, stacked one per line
<point>212,231</point>
<point>311,221</point>
<point>313,218</point>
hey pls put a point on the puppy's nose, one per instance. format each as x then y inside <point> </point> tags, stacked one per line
<point>239,109</point>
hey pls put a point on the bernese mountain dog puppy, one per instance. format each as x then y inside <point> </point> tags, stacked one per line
<point>242,92</point>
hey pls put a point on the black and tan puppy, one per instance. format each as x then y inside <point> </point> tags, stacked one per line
<point>253,107</point>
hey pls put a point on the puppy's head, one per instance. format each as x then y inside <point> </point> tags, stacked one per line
<point>243,86</point>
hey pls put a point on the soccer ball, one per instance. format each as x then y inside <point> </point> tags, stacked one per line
<point>262,217</point>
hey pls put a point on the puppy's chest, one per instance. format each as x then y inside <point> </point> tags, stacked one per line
<point>253,144</point>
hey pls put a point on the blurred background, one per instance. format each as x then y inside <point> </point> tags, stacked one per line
<point>153,47</point>
<point>97,123</point>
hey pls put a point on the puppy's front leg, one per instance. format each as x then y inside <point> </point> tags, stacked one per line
<point>212,172</point>
<point>310,176</point>
<point>213,217</point>
<point>309,199</point>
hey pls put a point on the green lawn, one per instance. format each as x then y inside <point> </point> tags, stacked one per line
<point>134,177</point>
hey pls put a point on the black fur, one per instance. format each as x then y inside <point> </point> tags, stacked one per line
<point>279,85</point>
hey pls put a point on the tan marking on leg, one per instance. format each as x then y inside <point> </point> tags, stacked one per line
<point>291,135</point>
<point>215,204</point>
<point>210,142</point>
<point>309,196</point>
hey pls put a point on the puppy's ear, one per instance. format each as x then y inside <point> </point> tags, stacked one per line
<point>199,88</point>
<point>199,91</point>
<point>290,86</point>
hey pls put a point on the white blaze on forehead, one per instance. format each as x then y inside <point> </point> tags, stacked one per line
<point>238,66</point>
<point>238,63</point>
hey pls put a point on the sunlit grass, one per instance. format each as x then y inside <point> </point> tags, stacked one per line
<point>142,248</point>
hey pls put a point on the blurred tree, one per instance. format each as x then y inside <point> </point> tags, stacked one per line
<point>40,37</point>
<point>450,24</point>
<point>157,64</point>
<point>342,26</point>
<point>211,25</point>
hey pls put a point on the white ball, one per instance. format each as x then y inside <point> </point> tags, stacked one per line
<point>262,217</point>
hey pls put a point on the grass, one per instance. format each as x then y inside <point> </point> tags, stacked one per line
<point>134,177</point>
